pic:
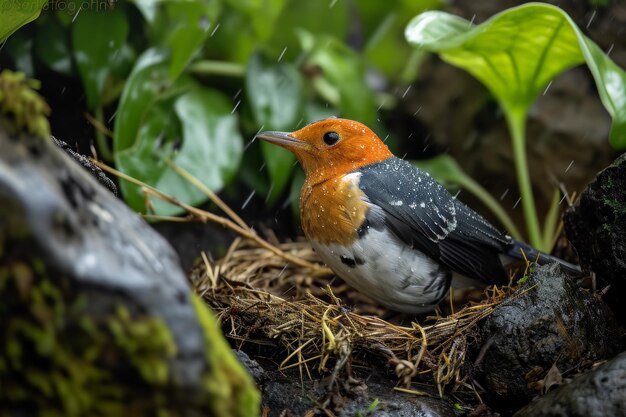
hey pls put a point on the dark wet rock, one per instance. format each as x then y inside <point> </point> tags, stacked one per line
<point>286,394</point>
<point>95,171</point>
<point>598,393</point>
<point>96,316</point>
<point>597,229</point>
<point>549,322</point>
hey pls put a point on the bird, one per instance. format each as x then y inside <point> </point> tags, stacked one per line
<point>387,228</point>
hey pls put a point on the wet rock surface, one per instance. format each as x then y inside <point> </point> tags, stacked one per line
<point>285,395</point>
<point>596,226</point>
<point>96,315</point>
<point>550,327</point>
<point>597,393</point>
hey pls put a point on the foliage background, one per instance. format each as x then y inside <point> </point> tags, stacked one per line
<point>154,83</point>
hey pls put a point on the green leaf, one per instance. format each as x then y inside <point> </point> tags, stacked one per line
<point>186,38</point>
<point>519,51</point>
<point>275,95</point>
<point>344,70</point>
<point>180,26</point>
<point>15,14</point>
<point>160,120</point>
<point>20,48</point>
<point>330,18</point>
<point>52,46</point>
<point>262,15</point>
<point>383,25</point>
<point>97,37</point>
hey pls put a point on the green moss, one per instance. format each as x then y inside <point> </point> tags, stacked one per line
<point>232,391</point>
<point>57,360</point>
<point>21,108</point>
<point>615,194</point>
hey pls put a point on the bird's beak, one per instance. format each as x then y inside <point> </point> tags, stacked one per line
<point>283,139</point>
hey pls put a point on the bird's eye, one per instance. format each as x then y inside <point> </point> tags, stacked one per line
<point>330,138</point>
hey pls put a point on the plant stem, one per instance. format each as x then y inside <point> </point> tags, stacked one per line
<point>550,225</point>
<point>492,204</point>
<point>103,145</point>
<point>517,125</point>
<point>228,69</point>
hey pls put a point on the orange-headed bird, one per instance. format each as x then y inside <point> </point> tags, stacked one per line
<point>384,226</point>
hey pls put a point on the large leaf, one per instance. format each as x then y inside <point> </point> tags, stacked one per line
<point>180,26</point>
<point>161,120</point>
<point>519,51</point>
<point>97,38</point>
<point>15,14</point>
<point>275,95</point>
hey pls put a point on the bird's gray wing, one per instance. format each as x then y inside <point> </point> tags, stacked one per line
<point>424,215</point>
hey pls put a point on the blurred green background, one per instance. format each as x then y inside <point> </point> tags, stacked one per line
<point>146,84</point>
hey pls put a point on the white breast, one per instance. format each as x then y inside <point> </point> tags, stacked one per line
<point>382,267</point>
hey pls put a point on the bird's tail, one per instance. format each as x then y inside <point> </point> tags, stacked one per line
<point>523,251</point>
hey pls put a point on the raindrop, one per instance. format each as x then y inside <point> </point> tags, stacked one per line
<point>290,288</point>
<point>517,202</point>
<point>77,13</point>
<point>262,167</point>
<point>281,272</point>
<point>252,141</point>
<point>417,111</point>
<point>237,95</point>
<point>472,20</point>
<point>215,30</point>
<point>204,23</point>
<point>382,103</point>
<point>245,203</point>
<point>548,86</point>
<point>504,194</point>
<point>569,166</point>
<point>563,198</point>
<point>63,90</point>
<point>269,192</point>
<point>593,14</point>
<point>281,54</point>
<point>110,118</point>
<point>386,137</point>
<point>235,108</point>
<point>332,4</point>
<point>406,91</point>
<point>607,52</point>
<point>3,42</point>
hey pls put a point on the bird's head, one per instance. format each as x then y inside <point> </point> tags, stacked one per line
<point>331,147</point>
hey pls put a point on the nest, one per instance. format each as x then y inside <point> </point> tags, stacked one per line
<point>279,295</point>
<point>262,299</point>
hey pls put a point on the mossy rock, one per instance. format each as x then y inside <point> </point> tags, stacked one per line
<point>596,226</point>
<point>96,316</point>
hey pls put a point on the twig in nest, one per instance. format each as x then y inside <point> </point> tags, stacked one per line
<point>249,289</point>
